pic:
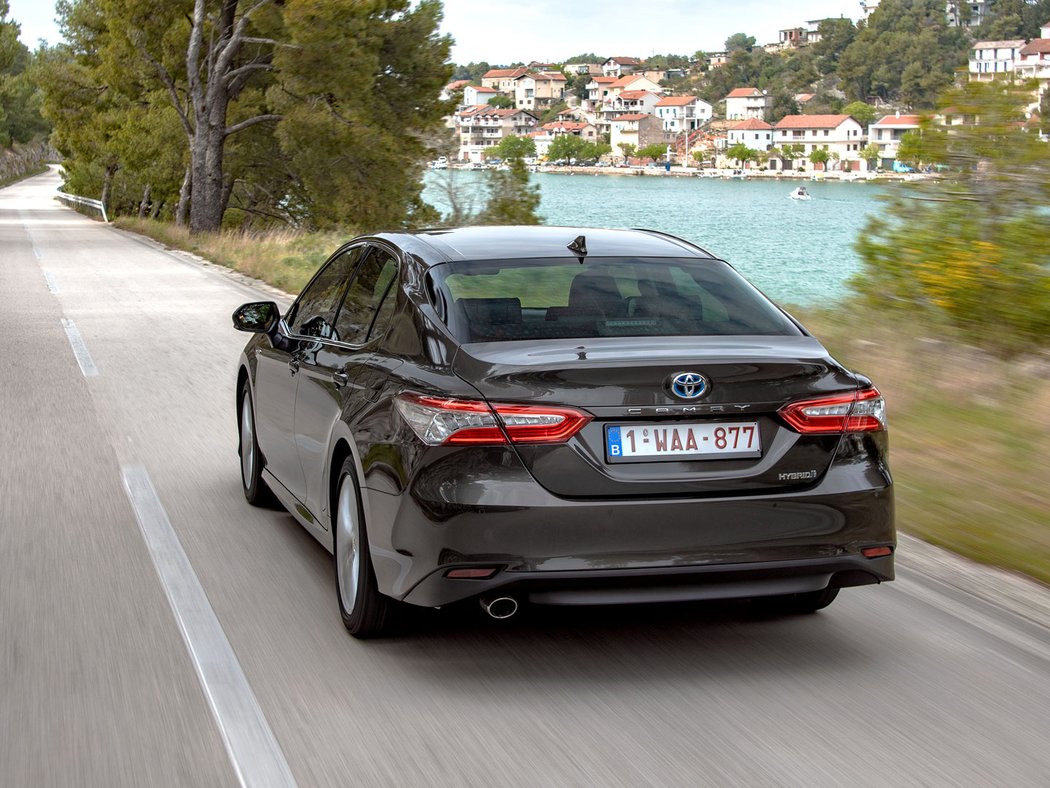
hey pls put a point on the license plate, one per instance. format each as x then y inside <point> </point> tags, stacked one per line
<point>693,441</point>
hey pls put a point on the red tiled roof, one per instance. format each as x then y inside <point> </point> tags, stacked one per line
<point>630,95</point>
<point>744,93</point>
<point>632,116</point>
<point>565,125</point>
<point>1037,46</point>
<point>899,120</point>
<point>555,76</point>
<point>625,61</point>
<point>751,124</point>
<point>485,90</point>
<point>459,83</point>
<point>675,101</point>
<point>802,98</point>
<point>812,121</point>
<point>623,82</point>
<point>500,73</point>
<point>604,80</point>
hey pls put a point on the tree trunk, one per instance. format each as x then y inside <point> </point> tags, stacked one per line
<point>183,208</point>
<point>107,183</point>
<point>144,205</point>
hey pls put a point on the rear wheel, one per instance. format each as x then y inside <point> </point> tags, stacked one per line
<point>365,611</point>
<point>797,604</point>
<point>255,490</point>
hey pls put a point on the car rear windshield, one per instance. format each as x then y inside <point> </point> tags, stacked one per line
<point>631,297</point>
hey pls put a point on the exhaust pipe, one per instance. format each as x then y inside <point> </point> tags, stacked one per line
<point>501,607</point>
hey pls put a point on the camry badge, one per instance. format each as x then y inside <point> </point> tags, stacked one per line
<point>688,385</point>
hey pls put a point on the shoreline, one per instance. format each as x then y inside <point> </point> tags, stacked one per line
<point>725,174</point>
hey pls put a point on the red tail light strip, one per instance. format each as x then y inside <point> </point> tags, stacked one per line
<point>855,411</point>
<point>453,422</point>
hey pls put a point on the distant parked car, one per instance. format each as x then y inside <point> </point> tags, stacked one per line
<point>563,417</point>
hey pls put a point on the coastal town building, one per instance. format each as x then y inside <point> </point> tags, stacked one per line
<point>744,103</point>
<point>539,91</point>
<point>840,135</point>
<point>483,127</point>
<point>598,90</point>
<point>473,95</point>
<point>634,82</point>
<point>683,113</point>
<point>638,130</point>
<point>866,7</point>
<point>886,134</point>
<point>755,133</point>
<point>502,79</point>
<point>587,131</point>
<point>583,69</point>
<point>620,66</point>
<point>989,59</point>
<point>1034,62</point>
<point>966,13</point>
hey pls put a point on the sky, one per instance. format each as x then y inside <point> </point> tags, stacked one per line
<point>499,31</point>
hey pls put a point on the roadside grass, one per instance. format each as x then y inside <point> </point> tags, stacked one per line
<point>969,438</point>
<point>969,433</point>
<point>284,258</point>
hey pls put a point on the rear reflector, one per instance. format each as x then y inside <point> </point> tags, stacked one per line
<point>856,411</point>
<point>473,573</point>
<point>876,552</point>
<point>440,421</point>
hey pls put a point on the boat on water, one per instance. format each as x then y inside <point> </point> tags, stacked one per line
<point>800,193</point>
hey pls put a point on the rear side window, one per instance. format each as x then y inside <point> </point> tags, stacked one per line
<point>551,299</point>
<point>369,300</point>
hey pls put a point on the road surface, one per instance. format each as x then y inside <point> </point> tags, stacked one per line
<point>118,431</point>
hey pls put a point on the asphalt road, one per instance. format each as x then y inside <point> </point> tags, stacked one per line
<point>117,355</point>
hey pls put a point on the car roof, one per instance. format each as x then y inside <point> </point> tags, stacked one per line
<point>442,245</point>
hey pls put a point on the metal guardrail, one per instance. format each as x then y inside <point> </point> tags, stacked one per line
<point>86,201</point>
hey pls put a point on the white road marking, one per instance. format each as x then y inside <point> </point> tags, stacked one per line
<point>87,364</point>
<point>252,748</point>
<point>52,283</point>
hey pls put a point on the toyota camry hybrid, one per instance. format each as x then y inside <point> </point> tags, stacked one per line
<point>560,416</point>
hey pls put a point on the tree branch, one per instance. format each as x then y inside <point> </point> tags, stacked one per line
<point>244,124</point>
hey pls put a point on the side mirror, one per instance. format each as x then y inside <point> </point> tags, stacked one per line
<point>258,317</point>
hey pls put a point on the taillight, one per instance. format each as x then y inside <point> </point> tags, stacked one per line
<point>440,421</point>
<point>857,411</point>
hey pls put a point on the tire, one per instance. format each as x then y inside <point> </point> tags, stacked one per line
<point>366,612</point>
<point>255,490</point>
<point>797,604</point>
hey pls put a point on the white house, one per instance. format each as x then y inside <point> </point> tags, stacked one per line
<point>634,82</point>
<point>744,103</point>
<point>839,135</point>
<point>989,59</point>
<point>683,113</point>
<point>886,134</point>
<point>481,128</point>
<point>473,95</point>
<point>558,128</point>
<point>1034,62</point>
<point>755,133</point>
<point>966,13</point>
<point>598,90</point>
<point>619,66</point>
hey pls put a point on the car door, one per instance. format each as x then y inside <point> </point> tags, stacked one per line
<point>336,379</point>
<point>307,324</point>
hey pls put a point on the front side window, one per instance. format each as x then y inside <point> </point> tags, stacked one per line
<point>313,314</point>
<point>369,300</point>
<point>552,299</point>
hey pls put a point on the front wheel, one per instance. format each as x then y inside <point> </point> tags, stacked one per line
<point>365,611</point>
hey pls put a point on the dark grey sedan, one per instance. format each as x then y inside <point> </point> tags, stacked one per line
<point>561,417</point>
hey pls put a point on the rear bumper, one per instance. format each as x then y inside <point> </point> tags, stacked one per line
<point>660,584</point>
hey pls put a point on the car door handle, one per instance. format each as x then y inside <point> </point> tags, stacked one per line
<point>340,379</point>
